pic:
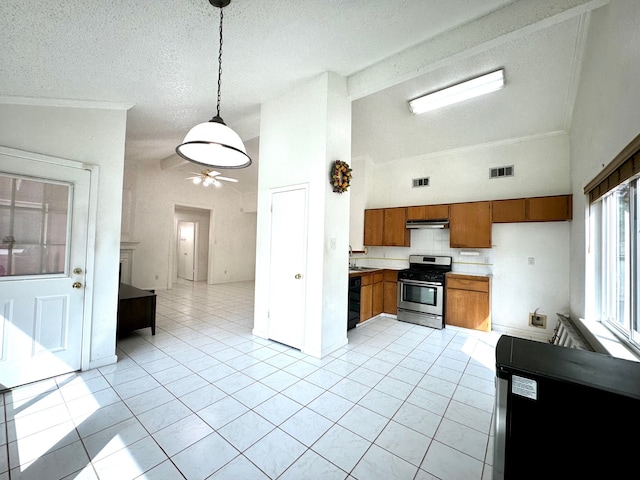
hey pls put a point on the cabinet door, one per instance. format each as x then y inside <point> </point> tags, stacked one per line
<point>417,213</point>
<point>470,225</point>
<point>373,226</point>
<point>377,302</point>
<point>428,212</point>
<point>548,209</point>
<point>507,211</point>
<point>366,296</point>
<point>436,212</point>
<point>390,297</point>
<point>395,232</point>
<point>468,309</point>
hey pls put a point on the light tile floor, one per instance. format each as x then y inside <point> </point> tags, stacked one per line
<point>205,399</point>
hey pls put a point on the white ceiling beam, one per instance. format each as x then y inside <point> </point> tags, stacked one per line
<point>172,161</point>
<point>506,24</point>
<point>63,102</point>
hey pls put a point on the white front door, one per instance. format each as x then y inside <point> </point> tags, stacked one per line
<point>287,281</point>
<point>44,210</point>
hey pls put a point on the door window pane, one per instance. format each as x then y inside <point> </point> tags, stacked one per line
<point>34,226</point>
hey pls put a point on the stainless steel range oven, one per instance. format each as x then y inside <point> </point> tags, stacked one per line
<point>421,290</point>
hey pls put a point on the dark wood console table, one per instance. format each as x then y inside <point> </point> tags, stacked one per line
<point>136,309</point>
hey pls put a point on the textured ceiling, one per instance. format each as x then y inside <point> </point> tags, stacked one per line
<point>161,57</point>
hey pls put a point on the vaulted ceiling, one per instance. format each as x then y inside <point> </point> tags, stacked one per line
<point>161,57</point>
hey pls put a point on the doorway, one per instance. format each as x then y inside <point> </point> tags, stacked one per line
<point>191,247</point>
<point>187,250</point>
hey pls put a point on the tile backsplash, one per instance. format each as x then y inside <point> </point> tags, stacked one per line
<point>428,242</point>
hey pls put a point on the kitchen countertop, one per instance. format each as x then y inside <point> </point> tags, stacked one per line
<point>354,272</point>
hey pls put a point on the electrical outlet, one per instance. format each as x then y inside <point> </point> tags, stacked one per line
<point>531,261</point>
<point>537,320</point>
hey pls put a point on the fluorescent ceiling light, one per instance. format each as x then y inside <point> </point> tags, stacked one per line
<point>463,91</point>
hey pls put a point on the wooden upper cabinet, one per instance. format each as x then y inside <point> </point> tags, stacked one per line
<point>549,209</point>
<point>416,213</point>
<point>428,212</point>
<point>470,225</point>
<point>437,212</point>
<point>507,211</point>
<point>373,226</point>
<point>395,232</point>
<point>386,227</point>
<point>533,209</point>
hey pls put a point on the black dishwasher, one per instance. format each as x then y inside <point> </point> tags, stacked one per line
<point>354,301</point>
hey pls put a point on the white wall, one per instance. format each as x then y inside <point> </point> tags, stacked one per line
<point>94,136</point>
<point>541,168</point>
<point>302,133</point>
<point>156,193</point>
<point>605,117</point>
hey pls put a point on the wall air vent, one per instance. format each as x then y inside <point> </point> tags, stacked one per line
<point>498,172</point>
<point>421,182</point>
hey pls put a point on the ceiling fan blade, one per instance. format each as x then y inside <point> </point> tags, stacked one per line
<point>227,179</point>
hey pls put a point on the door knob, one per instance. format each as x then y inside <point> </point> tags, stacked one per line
<point>77,285</point>
<point>77,271</point>
<point>298,276</point>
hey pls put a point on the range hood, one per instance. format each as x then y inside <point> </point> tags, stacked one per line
<point>439,223</point>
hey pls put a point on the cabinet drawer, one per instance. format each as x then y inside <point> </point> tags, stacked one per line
<point>366,279</point>
<point>467,282</point>
<point>378,277</point>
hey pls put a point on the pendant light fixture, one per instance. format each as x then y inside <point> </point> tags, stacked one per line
<point>212,143</point>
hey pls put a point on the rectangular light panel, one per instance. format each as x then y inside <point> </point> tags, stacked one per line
<point>457,93</point>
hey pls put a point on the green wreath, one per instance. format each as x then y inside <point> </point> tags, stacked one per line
<point>340,176</point>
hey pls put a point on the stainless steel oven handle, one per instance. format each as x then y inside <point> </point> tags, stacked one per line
<point>421,284</point>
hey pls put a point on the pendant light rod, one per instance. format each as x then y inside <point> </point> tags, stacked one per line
<point>215,2</point>
<point>213,143</point>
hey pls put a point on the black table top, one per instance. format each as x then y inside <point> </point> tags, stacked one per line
<point>129,291</point>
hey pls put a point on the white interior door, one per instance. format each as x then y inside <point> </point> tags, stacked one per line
<point>287,283</point>
<point>186,250</point>
<point>43,251</point>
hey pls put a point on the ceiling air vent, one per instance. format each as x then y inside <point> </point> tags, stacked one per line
<point>498,172</point>
<point>421,182</point>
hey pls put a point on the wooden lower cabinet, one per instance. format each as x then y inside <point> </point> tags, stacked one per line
<point>378,293</point>
<point>468,301</point>
<point>390,304</point>
<point>377,302</point>
<point>366,297</point>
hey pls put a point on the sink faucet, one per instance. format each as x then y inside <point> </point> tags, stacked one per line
<point>352,263</point>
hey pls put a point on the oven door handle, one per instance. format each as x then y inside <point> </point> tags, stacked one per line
<point>422,284</point>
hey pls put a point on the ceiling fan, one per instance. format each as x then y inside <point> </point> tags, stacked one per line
<point>209,177</point>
